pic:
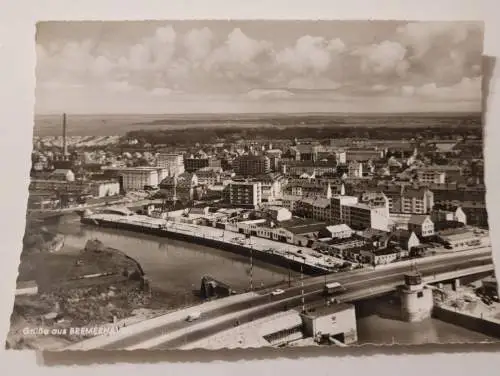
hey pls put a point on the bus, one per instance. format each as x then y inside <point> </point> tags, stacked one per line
<point>333,287</point>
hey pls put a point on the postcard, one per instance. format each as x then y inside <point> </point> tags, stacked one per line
<point>234,184</point>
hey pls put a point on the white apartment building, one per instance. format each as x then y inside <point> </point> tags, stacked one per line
<point>136,178</point>
<point>431,176</point>
<point>174,163</point>
<point>246,194</point>
<point>361,216</point>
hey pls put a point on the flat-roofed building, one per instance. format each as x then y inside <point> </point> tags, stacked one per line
<point>363,155</point>
<point>173,162</point>
<point>136,178</point>
<point>244,193</point>
<point>252,165</point>
<point>340,231</point>
<point>337,203</point>
<point>461,239</point>
<point>362,216</point>
<point>335,321</point>
<point>194,164</point>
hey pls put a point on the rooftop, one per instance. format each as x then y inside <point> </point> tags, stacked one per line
<point>302,226</point>
<point>337,228</point>
<point>327,310</point>
<point>418,219</point>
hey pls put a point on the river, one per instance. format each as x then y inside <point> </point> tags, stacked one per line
<point>381,331</point>
<point>176,268</point>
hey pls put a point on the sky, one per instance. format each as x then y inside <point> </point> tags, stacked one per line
<point>258,67</point>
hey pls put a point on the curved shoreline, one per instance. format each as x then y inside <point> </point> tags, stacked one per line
<point>267,257</point>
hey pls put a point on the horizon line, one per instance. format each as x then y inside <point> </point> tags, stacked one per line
<point>479,112</point>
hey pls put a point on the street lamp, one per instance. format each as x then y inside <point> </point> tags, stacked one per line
<point>302,285</point>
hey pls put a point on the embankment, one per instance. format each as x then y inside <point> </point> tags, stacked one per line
<point>268,257</point>
<point>476,324</point>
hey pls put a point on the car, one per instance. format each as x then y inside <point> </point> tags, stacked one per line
<point>193,316</point>
<point>277,292</point>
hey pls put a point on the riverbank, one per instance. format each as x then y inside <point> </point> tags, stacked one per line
<point>280,254</point>
<point>95,287</point>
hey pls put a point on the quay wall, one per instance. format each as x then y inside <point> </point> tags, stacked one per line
<point>476,324</point>
<point>267,257</point>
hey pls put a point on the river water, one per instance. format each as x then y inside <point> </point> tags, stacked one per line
<point>176,268</point>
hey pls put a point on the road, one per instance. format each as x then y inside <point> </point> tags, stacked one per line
<point>354,280</point>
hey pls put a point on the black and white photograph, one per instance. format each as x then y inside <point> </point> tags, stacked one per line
<point>222,184</point>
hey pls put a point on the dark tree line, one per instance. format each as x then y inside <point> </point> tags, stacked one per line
<point>202,135</point>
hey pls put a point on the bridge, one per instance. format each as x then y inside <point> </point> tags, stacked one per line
<point>172,330</point>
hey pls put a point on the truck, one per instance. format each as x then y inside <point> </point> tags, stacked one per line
<point>193,316</point>
<point>333,287</point>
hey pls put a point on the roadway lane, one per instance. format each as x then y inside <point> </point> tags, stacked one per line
<point>310,297</point>
<point>348,279</point>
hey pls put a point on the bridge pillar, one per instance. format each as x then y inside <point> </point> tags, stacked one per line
<point>416,300</point>
<point>456,284</point>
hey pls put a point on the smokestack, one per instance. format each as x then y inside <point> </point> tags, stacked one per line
<point>65,147</point>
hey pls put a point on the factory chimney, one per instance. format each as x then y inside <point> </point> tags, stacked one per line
<point>65,146</point>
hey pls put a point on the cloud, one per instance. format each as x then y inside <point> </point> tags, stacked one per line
<point>257,94</point>
<point>442,51</point>
<point>468,89</point>
<point>422,36</point>
<point>237,49</point>
<point>387,57</point>
<point>415,61</point>
<point>309,55</point>
<point>198,43</point>
<point>307,83</point>
<point>118,86</point>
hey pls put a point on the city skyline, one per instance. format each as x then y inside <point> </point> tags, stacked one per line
<point>217,67</point>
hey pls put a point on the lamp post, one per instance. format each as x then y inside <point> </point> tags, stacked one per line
<point>302,286</point>
<point>251,264</point>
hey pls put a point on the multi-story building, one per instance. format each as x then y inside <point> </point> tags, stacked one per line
<point>337,203</point>
<point>307,152</point>
<point>99,188</point>
<point>181,187</point>
<point>410,200</point>
<point>274,156</point>
<point>317,208</point>
<point>319,168</point>
<point>290,201</point>
<point>174,163</point>
<point>252,165</point>
<point>439,174</point>
<point>363,216</point>
<point>137,178</point>
<point>427,176</point>
<point>194,164</point>
<point>272,187</point>
<point>355,169</point>
<point>363,155</point>
<point>208,176</point>
<point>244,193</point>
